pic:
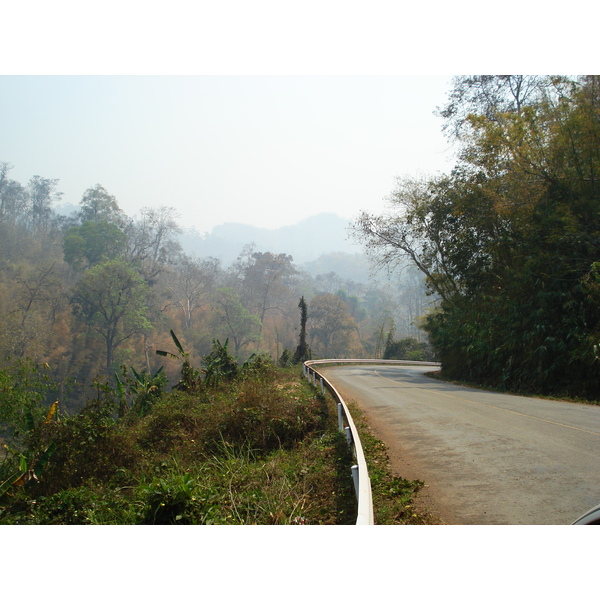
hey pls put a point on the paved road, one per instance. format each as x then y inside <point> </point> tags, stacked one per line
<point>486,458</point>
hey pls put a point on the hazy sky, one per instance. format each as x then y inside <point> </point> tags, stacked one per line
<point>264,150</point>
<point>260,112</point>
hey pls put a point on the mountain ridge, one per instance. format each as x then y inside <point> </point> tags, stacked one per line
<point>305,241</point>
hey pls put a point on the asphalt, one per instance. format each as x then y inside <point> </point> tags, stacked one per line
<point>485,458</point>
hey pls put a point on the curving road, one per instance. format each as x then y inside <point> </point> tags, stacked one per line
<point>486,458</point>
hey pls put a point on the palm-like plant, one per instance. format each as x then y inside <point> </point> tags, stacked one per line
<point>190,377</point>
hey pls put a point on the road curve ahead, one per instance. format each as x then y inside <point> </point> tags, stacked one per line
<point>486,458</point>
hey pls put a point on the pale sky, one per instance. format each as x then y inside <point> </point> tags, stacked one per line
<point>262,150</point>
<point>258,112</point>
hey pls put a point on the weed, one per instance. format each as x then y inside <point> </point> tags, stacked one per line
<point>252,451</point>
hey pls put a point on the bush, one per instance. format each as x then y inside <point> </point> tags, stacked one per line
<point>252,451</point>
<point>407,349</point>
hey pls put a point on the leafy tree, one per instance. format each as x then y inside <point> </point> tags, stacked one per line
<point>97,205</point>
<point>508,240</point>
<point>491,96</point>
<point>93,242</point>
<point>265,283</point>
<point>112,300</point>
<point>189,283</point>
<point>242,327</point>
<point>333,330</point>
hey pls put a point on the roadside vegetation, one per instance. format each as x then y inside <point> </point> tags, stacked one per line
<point>230,444</point>
<point>508,241</point>
<point>250,445</point>
<point>440,375</point>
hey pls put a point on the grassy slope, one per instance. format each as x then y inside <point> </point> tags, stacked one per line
<point>259,451</point>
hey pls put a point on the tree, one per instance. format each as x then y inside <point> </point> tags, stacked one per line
<point>150,240</point>
<point>265,283</point>
<point>40,288</point>
<point>97,205</point>
<point>508,240</point>
<point>93,242</point>
<point>42,193</point>
<point>239,324</point>
<point>491,96</point>
<point>13,196</point>
<point>188,285</point>
<point>333,331</point>
<point>112,300</point>
<point>302,351</point>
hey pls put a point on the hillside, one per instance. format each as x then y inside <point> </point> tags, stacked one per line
<point>306,241</point>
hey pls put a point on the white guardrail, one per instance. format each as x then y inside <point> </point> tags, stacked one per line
<point>360,473</point>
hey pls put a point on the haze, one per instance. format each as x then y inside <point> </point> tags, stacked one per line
<point>262,150</point>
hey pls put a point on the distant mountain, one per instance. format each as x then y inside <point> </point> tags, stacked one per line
<point>306,241</point>
<point>67,209</point>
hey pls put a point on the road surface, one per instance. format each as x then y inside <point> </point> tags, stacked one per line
<point>485,458</point>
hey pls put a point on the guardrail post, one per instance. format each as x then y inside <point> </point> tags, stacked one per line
<point>322,387</point>
<point>349,435</point>
<point>340,416</point>
<point>354,470</point>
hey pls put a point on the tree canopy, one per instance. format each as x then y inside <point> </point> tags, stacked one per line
<point>509,241</point>
<point>111,297</point>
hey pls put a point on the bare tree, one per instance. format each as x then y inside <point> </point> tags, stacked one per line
<point>150,239</point>
<point>189,284</point>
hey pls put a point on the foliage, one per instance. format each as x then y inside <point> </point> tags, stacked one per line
<point>260,365</point>
<point>111,298</point>
<point>247,452</point>
<point>238,323</point>
<point>219,365</point>
<point>168,500</point>
<point>143,388</point>
<point>189,377</point>
<point>93,242</point>
<point>32,462</point>
<point>303,350</point>
<point>24,389</point>
<point>333,331</point>
<point>508,240</point>
<point>66,297</point>
<point>286,358</point>
<point>98,206</point>
<point>407,349</point>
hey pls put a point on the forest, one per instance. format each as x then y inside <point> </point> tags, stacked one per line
<point>509,241</point>
<point>85,293</point>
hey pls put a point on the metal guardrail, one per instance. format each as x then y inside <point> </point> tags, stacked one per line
<point>367,361</point>
<point>360,473</point>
